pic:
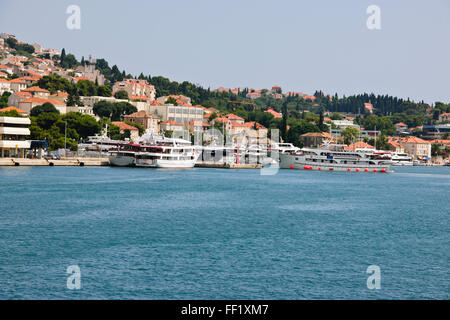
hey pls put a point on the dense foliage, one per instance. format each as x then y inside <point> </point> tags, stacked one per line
<point>52,127</point>
<point>113,110</point>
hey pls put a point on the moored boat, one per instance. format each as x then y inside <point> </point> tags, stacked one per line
<point>124,155</point>
<point>334,158</point>
<point>167,153</point>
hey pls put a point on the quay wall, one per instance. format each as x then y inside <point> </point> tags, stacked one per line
<point>74,162</point>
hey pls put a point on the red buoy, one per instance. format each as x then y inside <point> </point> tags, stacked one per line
<point>331,168</point>
<point>319,168</point>
<point>292,166</point>
<point>357,170</point>
<point>374,170</point>
<point>366,170</point>
<point>348,169</point>
<point>383,170</point>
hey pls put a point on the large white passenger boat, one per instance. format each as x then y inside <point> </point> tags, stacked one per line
<point>167,153</point>
<point>334,158</point>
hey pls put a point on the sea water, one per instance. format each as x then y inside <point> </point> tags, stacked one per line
<point>223,234</point>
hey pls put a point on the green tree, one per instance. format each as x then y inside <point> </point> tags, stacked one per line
<point>47,107</point>
<point>212,116</point>
<point>11,113</point>
<point>4,99</point>
<point>121,94</point>
<point>55,83</point>
<point>349,134</point>
<point>172,100</point>
<point>136,125</point>
<point>86,88</point>
<point>104,91</point>
<point>114,111</point>
<point>297,129</point>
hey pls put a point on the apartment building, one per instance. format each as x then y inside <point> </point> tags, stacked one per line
<point>180,114</point>
<point>145,119</point>
<point>14,132</point>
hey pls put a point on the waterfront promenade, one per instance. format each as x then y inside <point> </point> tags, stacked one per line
<point>72,162</point>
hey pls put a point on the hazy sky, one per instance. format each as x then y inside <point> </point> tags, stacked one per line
<point>299,45</point>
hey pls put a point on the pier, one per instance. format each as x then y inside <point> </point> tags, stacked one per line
<point>68,162</point>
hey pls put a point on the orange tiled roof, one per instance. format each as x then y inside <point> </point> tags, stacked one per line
<point>274,113</point>
<point>23,94</point>
<point>123,125</point>
<point>155,103</point>
<point>142,114</point>
<point>232,116</point>
<point>36,89</point>
<point>60,94</point>
<point>253,124</point>
<point>20,111</point>
<point>17,81</point>
<point>41,101</point>
<point>359,145</point>
<point>29,78</point>
<point>413,140</point>
<point>435,141</point>
<point>171,122</point>
<point>139,98</point>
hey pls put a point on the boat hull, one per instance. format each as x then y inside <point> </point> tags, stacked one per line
<point>158,163</point>
<point>301,163</point>
<point>402,163</point>
<point>122,161</point>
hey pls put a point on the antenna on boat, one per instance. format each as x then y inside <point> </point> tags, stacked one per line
<point>376,133</point>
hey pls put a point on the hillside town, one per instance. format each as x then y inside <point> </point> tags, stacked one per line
<point>35,80</point>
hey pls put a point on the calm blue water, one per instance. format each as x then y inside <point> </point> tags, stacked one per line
<point>223,234</point>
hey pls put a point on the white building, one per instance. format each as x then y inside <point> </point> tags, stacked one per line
<point>90,101</point>
<point>4,86</point>
<point>180,114</point>
<point>13,136</point>
<point>342,124</point>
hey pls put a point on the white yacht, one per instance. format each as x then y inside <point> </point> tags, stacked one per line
<point>98,143</point>
<point>282,147</point>
<point>167,153</point>
<point>214,154</point>
<point>401,159</point>
<point>257,154</point>
<point>334,158</point>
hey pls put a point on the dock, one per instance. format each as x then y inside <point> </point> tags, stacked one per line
<point>67,162</point>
